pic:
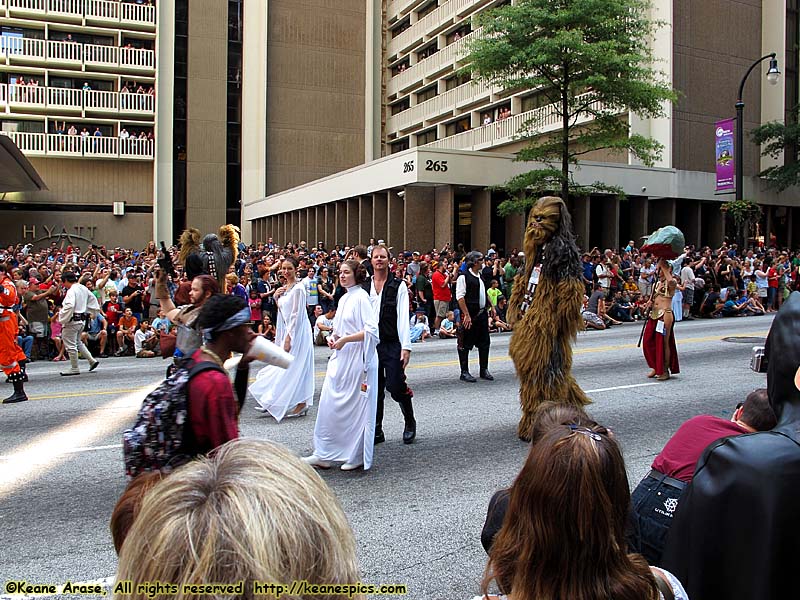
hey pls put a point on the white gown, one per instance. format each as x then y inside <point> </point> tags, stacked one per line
<point>279,390</point>
<point>345,427</point>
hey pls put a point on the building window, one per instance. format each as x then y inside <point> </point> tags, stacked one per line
<point>426,137</point>
<point>400,27</point>
<point>427,93</point>
<point>460,126</point>
<point>456,80</point>
<point>427,51</point>
<point>534,101</point>
<point>400,106</point>
<point>398,146</point>
<point>400,67</point>
<point>427,9</point>
<point>459,33</point>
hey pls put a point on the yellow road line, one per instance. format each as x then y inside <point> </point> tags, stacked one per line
<point>427,365</point>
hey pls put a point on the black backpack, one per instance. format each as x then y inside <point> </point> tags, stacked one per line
<point>156,440</point>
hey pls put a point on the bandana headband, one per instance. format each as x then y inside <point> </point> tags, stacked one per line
<point>240,318</point>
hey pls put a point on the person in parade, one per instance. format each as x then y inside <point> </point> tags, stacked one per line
<point>474,329</point>
<point>79,305</point>
<point>12,358</point>
<point>658,342</point>
<point>389,297</point>
<point>289,392</point>
<point>345,426</point>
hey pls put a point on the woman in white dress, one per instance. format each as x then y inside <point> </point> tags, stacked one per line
<point>345,427</point>
<point>289,392</point>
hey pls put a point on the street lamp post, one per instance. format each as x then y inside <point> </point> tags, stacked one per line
<point>772,77</point>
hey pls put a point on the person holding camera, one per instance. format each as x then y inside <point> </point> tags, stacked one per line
<point>133,296</point>
<point>79,305</point>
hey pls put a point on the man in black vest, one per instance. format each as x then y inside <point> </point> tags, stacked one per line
<point>389,297</point>
<point>474,329</point>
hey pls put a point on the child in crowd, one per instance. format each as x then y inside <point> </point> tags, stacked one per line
<point>419,326</point>
<point>55,334</point>
<point>448,326</point>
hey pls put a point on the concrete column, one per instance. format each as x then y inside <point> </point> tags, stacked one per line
<point>515,231</point>
<point>639,209</point>
<point>769,213</point>
<point>164,158</point>
<point>481,219</point>
<point>444,216</point>
<point>716,230</point>
<point>365,230</point>
<point>283,229</point>
<point>395,223</point>
<point>341,223</point>
<point>581,220</point>
<point>793,227</point>
<point>302,229</point>
<point>319,221</point>
<point>691,229</point>
<point>352,222</point>
<point>610,233</point>
<point>380,215</point>
<point>419,227</point>
<point>330,225</point>
<point>662,213</point>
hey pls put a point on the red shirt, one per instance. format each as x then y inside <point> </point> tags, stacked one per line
<point>441,290</point>
<point>213,410</point>
<point>680,455</point>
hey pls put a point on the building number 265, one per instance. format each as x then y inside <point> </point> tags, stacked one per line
<point>408,167</point>
<point>436,165</point>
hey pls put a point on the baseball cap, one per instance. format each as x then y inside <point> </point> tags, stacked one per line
<point>491,252</point>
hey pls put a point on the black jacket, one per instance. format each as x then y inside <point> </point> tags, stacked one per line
<point>736,533</point>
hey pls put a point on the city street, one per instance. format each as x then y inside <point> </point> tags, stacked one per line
<point>417,514</point>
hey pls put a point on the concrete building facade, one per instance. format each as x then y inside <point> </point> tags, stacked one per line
<point>430,134</point>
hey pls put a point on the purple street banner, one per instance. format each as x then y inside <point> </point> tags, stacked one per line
<point>723,136</point>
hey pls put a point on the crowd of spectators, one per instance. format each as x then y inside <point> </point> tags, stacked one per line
<point>713,283</point>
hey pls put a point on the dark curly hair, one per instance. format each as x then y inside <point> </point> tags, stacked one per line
<point>359,270</point>
<point>218,309</point>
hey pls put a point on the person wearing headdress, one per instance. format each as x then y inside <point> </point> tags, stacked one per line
<point>736,529</point>
<point>658,337</point>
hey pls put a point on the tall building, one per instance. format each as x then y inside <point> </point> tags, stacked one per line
<point>129,110</point>
<point>437,144</point>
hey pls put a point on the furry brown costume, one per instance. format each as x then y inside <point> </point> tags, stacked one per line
<point>214,256</point>
<point>546,318</point>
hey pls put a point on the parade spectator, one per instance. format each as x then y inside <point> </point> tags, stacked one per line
<point>128,325</point>
<point>266,329</point>
<point>97,332</point>
<point>55,335</point>
<point>145,341</point>
<point>323,327</point>
<point>447,329</point>
<point>442,296</point>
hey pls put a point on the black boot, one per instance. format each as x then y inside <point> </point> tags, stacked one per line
<point>483,359</point>
<point>379,437</point>
<point>22,371</point>
<point>410,429</point>
<point>463,358</point>
<point>19,394</point>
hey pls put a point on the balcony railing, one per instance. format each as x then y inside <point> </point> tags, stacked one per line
<point>23,49</point>
<point>77,100</point>
<point>136,58</point>
<point>467,93</point>
<point>64,52</point>
<point>431,65</point>
<point>435,19</point>
<point>507,130</point>
<point>51,144</point>
<point>128,14</point>
<point>107,56</point>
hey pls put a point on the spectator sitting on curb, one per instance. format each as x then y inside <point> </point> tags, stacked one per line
<point>590,319</point>
<point>323,327</point>
<point>145,341</point>
<point>655,499</point>
<point>448,326</point>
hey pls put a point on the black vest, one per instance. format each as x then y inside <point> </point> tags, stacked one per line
<point>387,320</point>
<point>472,297</point>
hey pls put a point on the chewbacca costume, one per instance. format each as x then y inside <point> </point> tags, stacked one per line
<point>545,309</point>
<point>214,256</point>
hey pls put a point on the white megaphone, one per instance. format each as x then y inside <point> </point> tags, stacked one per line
<point>265,351</point>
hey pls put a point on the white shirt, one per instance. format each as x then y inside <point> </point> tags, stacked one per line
<point>79,300</point>
<point>403,331</point>
<point>461,288</point>
<point>325,321</point>
<point>603,275</point>
<point>139,338</point>
<point>687,277</point>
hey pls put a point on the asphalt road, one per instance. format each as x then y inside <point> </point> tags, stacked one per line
<point>417,514</point>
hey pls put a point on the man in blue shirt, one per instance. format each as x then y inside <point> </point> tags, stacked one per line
<point>97,332</point>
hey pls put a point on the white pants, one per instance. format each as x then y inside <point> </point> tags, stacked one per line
<point>71,336</point>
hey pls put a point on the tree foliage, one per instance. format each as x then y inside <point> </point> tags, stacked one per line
<point>591,61</point>
<point>745,215</point>
<point>775,139</point>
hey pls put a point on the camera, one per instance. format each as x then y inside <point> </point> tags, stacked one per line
<point>165,262</point>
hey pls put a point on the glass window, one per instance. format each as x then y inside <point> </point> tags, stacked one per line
<point>400,106</point>
<point>427,51</point>
<point>400,67</point>
<point>427,9</point>
<point>400,27</point>
<point>426,137</point>
<point>457,80</point>
<point>398,146</point>
<point>534,101</point>
<point>463,124</point>
<point>426,93</point>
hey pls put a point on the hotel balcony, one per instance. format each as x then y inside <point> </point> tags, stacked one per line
<point>50,53</point>
<point>459,97</point>
<point>431,66</point>
<point>506,131</point>
<point>447,14</point>
<point>26,98</point>
<point>124,15</point>
<point>75,146</point>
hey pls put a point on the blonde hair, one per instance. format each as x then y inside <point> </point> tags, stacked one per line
<point>252,511</point>
<point>232,278</point>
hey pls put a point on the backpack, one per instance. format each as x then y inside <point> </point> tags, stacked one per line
<point>156,440</point>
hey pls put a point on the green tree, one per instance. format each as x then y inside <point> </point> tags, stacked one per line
<point>745,214</point>
<point>592,63</point>
<point>777,140</point>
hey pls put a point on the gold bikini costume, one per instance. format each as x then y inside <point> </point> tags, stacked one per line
<point>661,290</point>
